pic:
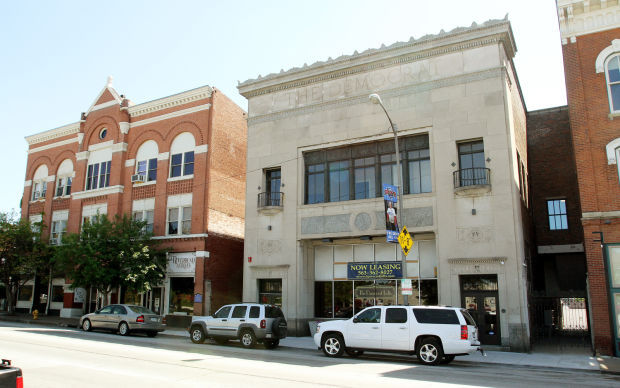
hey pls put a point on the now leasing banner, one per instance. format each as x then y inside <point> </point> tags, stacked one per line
<point>377,270</point>
<point>390,195</point>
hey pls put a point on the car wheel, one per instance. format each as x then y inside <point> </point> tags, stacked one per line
<point>430,352</point>
<point>248,339</point>
<point>333,345</point>
<point>197,335</point>
<point>272,344</point>
<point>447,359</point>
<point>221,341</point>
<point>86,325</point>
<point>151,334</point>
<point>354,353</point>
<point>123,328</point>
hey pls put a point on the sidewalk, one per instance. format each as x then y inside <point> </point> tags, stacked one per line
<point>564,360</point>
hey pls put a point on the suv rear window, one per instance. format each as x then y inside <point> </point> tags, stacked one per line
<point>273,312</point>
<point>254,312</point>
<point>440,316</point>
<point>468,318</point>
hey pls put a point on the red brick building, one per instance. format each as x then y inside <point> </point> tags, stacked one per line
<point>590,33</point>
<point>178,163</point>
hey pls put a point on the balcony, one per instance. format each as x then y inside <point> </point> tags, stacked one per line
<point>472,181</point>
<point>270,202</point>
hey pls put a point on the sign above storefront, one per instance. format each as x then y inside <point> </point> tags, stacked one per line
<point>184,262</point>
<point>378,270</point>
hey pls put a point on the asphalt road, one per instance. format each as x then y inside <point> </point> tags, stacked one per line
<point>55,357</point>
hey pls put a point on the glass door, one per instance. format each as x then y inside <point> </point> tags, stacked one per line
<point>480,297</point>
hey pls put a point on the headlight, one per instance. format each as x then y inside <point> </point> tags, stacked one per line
<point>318,328</point>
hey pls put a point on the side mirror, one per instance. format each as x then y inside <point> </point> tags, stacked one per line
<point>355,320</point>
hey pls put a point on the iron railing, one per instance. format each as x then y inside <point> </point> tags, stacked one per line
<point>270,199</point>
<point>560,322</point>
<point>471,177</point>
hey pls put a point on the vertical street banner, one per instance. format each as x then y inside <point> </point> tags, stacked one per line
<point>390,198</point>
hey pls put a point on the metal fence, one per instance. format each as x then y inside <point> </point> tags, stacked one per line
<point>270,198</point>
<point>471,177</point>
<point>560,322</point>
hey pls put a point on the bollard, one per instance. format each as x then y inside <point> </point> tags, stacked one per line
<point>35,314</point>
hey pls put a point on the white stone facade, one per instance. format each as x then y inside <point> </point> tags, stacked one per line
<point>451,87</point>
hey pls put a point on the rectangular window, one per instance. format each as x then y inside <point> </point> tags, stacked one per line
<point>152,171</point>
<point>182,216</point>
<point>182,164</point>
<point>364,175</point>
<point>436,316</point>
<point>58,230</point>
<point>557,214</point>
<point>471,164</point>
<point>98,175</point>
<point>270,291</point>
<point>58,293</point>
<point>239,312</point>
<point>147,216</point>
<point>357,171</point>
<point>323,297</point>
<point>25,293</point>
<point>39,190</point>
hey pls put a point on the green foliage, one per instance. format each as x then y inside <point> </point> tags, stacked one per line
<point>22,253</point>
<point>108,254</point>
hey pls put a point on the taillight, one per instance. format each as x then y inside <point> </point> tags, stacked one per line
<point>464,332</point>
<point>140,319</point>
<point>20,382</point>
<point>163,320</point>
<point>263,324</point>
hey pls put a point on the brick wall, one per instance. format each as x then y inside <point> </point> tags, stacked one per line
<point>592,129</point>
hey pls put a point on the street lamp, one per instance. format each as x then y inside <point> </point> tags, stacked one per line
<point>376,99</point>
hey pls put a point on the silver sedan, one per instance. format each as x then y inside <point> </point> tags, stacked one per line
<point>124,318</point>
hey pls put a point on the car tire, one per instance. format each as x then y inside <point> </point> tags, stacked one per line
<point>430,352</point>
<point>86,325</point>
<point>248,339</point>
<point>221,341</point>
<point>278,329</point>
<point>272,344</point>
<point>197,335</point>
<point>123,329</point>
<point>333,345</point>
<point>447,359</point>
<point>354,353</point>
<point>151,334</point>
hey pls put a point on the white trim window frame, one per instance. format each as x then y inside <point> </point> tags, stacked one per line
<point>612,78</point>
<point>179,215</point>
<point>148,168</point>
<point>59,228</point>
<point>63,186</point>
<point>39,189</point>
<point>145,215</point>
<point>98,175</point>
<point>182,164</point>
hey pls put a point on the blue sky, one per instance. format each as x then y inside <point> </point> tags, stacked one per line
<point>57,55</point>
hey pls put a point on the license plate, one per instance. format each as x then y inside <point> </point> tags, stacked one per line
<point>154,319</point>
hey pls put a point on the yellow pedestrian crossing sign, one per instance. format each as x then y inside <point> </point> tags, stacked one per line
<point>405,240</point>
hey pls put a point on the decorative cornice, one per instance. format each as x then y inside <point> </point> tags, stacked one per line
<point>52,145</point>
<point>580,17</point>
<point>197,94</point>
<point>104,105</point>
<point>363,97</point>
<point>401,52</point>
<point>98,192</point>
<point>100,146</point>
<point>201,149</point>
<point>170,115</point>
<point>55,133</point>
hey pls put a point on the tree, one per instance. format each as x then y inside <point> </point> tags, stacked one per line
<point>111,254</point>
<point>22,253</point>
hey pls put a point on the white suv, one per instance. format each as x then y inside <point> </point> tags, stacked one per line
<point>248,322</point>
<point>435,334</point>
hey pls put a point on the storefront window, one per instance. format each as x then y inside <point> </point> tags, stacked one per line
<point>343,299</point>
<point>428,289</point>
<point>131,297</point>
<point>323,296</point>
<point>364,292</point>
<point>181,295</point>
<point>270,291</point>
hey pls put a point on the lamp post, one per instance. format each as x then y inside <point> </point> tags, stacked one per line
<point>376,99</point>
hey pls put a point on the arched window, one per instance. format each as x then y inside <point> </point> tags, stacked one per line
<point>182,156</point>
<point>146,160</point>
<point>64,178</point>
<point>613,82</point>
<point>39,183</point>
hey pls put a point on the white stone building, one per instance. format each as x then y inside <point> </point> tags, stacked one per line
<point>319,152</point>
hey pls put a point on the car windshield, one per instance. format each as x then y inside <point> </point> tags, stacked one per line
<point>140,310</point>
<point>273,312</point>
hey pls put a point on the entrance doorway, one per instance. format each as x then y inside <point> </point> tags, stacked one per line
<point>480,297</point>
